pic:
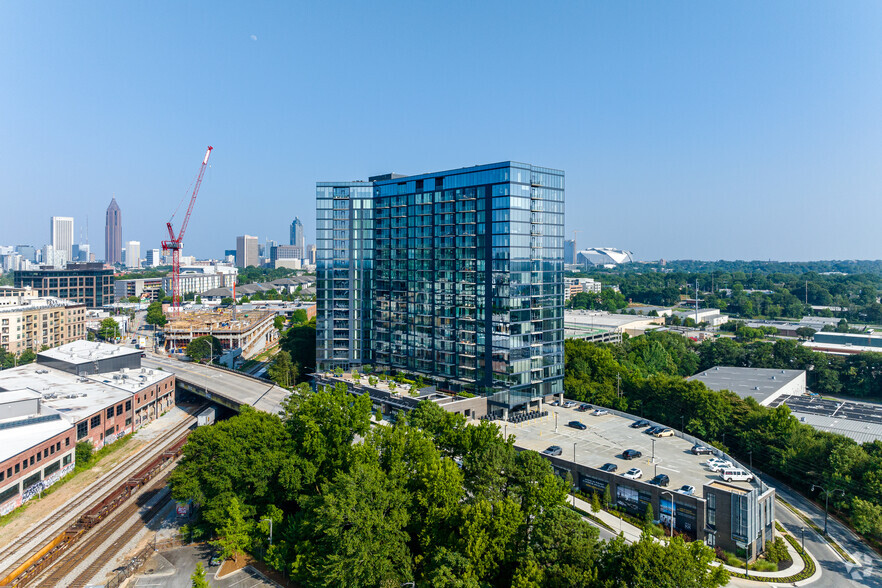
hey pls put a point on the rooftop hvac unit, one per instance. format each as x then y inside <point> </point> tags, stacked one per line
<point>83,394</point>
<point>71,396</point>
<point>116,376</point>
<point>150,372</point>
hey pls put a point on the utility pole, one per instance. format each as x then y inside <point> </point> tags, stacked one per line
<point>696,302</point>
<point>618,387</point>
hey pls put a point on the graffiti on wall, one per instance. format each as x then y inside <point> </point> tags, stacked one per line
<point>35,489</point>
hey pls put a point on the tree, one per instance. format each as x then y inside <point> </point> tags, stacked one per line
<point>805,332</point>
<point>108,330</point>
<point>299,341</point>
<point>299,317</point>
<point>278,323</point>
<point>607,497</point>
<point>595,502</point>
<point>197,578</point>
<point>27,356</point>
<point>283,371</point>
<point>234,533</point>
<point>203,347</point>
<point>648,516</point>
<point>155,316</point>
<point>867,517</point>
<point>227,301</point>
<point>83,453</point>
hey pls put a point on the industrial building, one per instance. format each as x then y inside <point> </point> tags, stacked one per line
<point>81,391</point>
<point>763,385</point>
<point>633,325</point>
<point>845,343</point>
<point>90,284</point>
<point>252,331</point>
<point>455,275</point>
<point>29,321</point>
<point>709,316</point>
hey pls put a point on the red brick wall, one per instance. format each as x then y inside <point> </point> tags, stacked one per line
<point>48,452</point>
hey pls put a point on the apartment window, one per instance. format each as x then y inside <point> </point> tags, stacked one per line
<point>46,452</point>
<point>128,405</point>
<point>58,446</point>
<point>39,457</point>
<point>110,412</point>
<point>128,421</point>
<point>17,469</point>
<point>52,450</point>
<point>711,510</point>
<point>9,472</point>
<point>119,409</point>
<point>66,442</point>
<point>2,476</point>
<point>96,420</point>
<point>82,430</point>
<point>109,432</point>
<point>9,493</point>
<point>66,459</point>
<point>32,459</point>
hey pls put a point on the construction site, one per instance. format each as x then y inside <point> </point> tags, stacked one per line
<point>251,331</point>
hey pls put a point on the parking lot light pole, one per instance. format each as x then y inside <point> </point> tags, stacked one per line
<point>653,450</point>
<point>803,539</point>
<point>827,500</point>
<point>672,510</point>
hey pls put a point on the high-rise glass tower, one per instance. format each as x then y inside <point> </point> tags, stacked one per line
<point>113,234</point>
<point>456,275</point>
<point>62,234</point>
<point>297,236</point>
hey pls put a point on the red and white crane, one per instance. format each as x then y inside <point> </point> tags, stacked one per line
<point>174,242</point>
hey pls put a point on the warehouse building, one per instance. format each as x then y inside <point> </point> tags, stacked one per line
<point>763,385</point>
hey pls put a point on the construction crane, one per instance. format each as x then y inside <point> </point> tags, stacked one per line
<point>174,243</point>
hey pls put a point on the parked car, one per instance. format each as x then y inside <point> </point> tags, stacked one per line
<point>633,474</point>
<point>600,412</point>
<point>584,407</point>
<point>686,489</point>
<point>555,403</point>
<point>639,424</point>
<point>731,474</point>
<point>631,454</point>
<point>569,404</point>
<point>653,430</point>
<point>701,450</point>
<point>661,480</point>
<point>553,450</point>
<point>664,432</point>
<point>609,467</point>
<point>716,464</point>
<point>577,425</point>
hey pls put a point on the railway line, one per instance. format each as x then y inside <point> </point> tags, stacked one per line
<point>29,555</point>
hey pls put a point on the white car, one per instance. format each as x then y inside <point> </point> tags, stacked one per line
<point>686,489</point>
<point>600,412</point>
<point>569,404</point>
<point>716,464</point>
<point>633,474</point>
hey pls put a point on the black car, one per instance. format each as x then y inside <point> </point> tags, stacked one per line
<point>640,424</point>
<point>577,425</point>
<point>653,430</point>
<point>553,450</point>
<point>660,480</point>
<point>631,454</point>
<point>584,407</point>
<point>701,450</point>
<point>609,467</point>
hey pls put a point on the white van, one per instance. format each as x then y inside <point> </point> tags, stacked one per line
<point>735,475</point>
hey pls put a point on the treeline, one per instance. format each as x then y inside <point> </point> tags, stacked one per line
<point>644,376</point>
<point>429,500</point>
<point>755,293</point>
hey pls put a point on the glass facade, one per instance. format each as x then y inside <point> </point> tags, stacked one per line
<point>456,275</point>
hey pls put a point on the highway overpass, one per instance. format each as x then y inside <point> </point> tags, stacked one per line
<point>224,387</point>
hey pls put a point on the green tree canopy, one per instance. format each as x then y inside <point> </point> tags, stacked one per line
<point>108,330</point>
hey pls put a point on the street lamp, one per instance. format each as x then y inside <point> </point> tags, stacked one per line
<point>672,510</point>
<point>827,500</point>
<point>653,450</point>
<point>574,471</point>
<point>803,539</point>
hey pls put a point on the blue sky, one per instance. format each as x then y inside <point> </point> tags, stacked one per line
<point>733,130</point>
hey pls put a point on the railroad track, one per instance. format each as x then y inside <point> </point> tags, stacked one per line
<point>26,548</point>
<point>87,548</point>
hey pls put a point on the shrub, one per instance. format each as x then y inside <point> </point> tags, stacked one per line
<point>776,550</point>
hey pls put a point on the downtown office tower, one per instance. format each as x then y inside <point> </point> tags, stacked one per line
<point>456,276</point>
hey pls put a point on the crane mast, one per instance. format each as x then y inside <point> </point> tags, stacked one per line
<point>173,244</point>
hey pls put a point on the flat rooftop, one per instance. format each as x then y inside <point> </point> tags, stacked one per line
<point>757,383</point>
<point>605,439</point>
<point>74,397</point>
<point>17,439</point>
<point>593,318</point>
<point>80,352</point>
<point>9,396</point>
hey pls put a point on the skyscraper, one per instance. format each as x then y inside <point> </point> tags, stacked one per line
<point>570,251</point>
<point>247,251</point>
<point>62,234</point>
<point>455,275</point>
<point>113,234</point>
<point>297,237</point>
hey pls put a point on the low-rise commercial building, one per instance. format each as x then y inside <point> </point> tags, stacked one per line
<point>633,325</point>
<point>79,392</point>
<point>573,286</point>
<point>90,284</point>
<point>763,385</point>
<point>710,316</point>
<point>30,321</point>
<point>144,288</point>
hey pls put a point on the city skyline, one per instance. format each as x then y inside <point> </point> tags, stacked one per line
<point>752,114</point>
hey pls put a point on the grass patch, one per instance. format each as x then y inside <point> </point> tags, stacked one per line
<point>807,571</point>
<point>592,517</point>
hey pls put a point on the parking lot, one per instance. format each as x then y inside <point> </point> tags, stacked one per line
<point>854,411</point>
<point>604,440</point>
